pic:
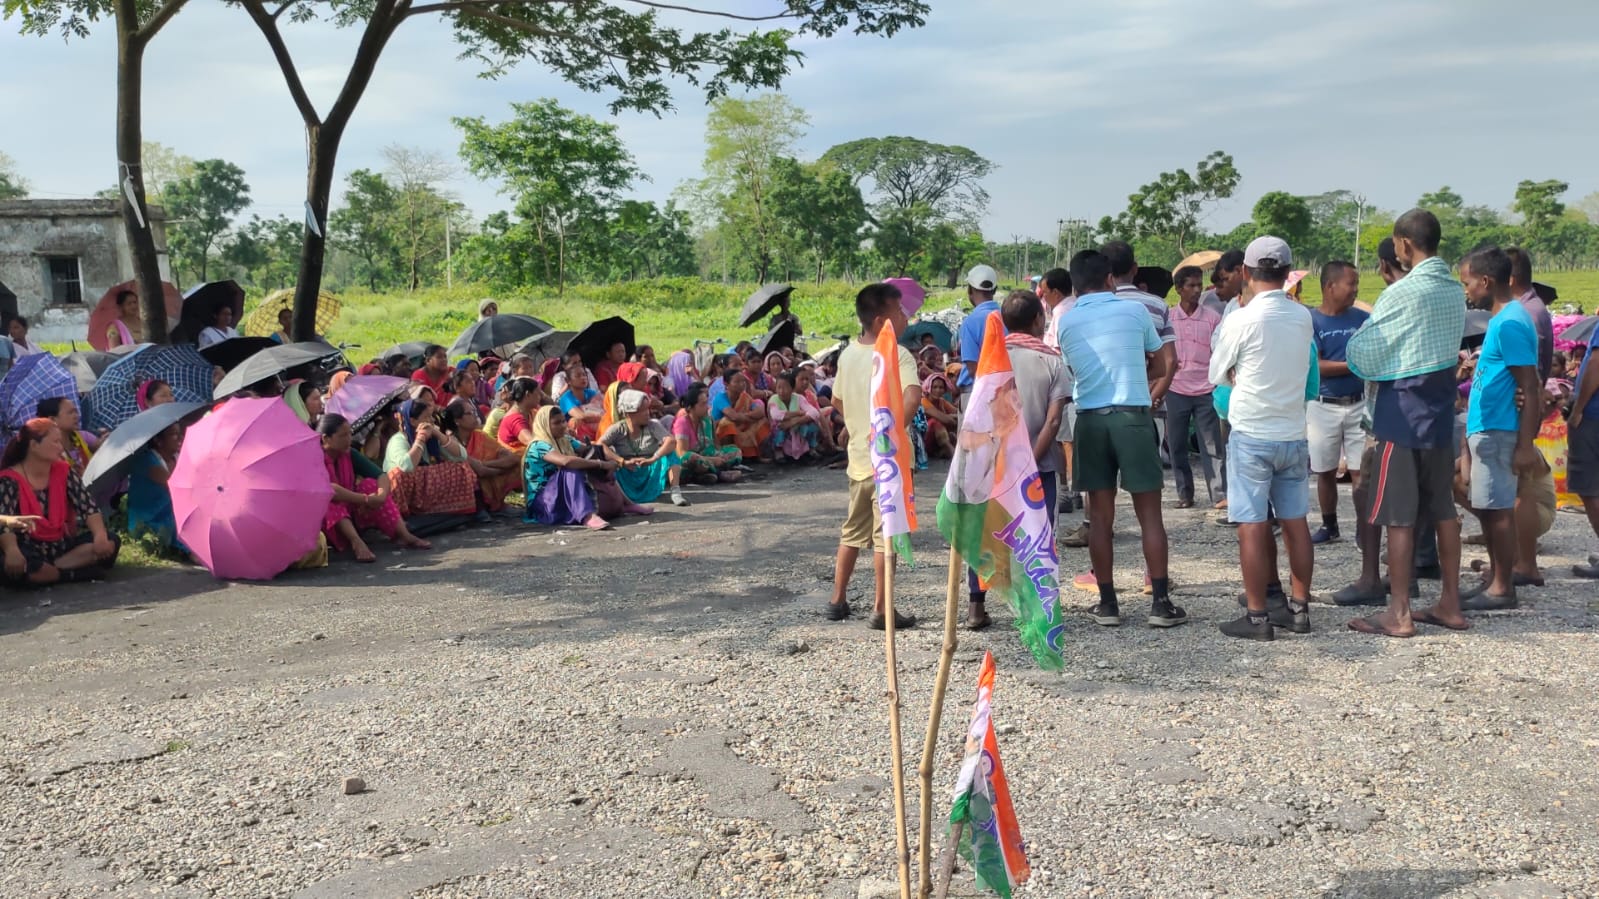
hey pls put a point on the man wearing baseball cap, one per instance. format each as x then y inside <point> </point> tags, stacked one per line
<point>1264,352</point>
<point>981,282</point>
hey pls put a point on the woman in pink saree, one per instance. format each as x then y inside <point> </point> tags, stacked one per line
<point>795,422</point>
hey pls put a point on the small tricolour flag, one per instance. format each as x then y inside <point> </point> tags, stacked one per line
<point>992,508</point>
<point>991,840</point>
<point>891,449</point>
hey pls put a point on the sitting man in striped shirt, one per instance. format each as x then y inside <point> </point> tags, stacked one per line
<point>1111,349</point>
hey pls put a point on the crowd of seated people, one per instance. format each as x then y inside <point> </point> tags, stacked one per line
<point>572,445</point>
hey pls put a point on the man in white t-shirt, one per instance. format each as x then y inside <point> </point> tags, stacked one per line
<point>1263,351</point>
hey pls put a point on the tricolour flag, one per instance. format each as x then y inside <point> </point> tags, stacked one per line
<point>992,509</point>
<point>891,448</point>
<point>991,839</point>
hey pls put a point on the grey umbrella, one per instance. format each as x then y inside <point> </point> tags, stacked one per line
<point>782,335</point>
<point>274,362</point>
<point>412,350</point>
<point>86,368</point>
<point>1580,331</point>
<point>497,331</point>
<point>115,455</point>
<point>762,301</point>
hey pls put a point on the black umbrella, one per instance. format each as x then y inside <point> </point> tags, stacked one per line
<point>782,335</point>
<point>762,301</point>
<point>1580,331</point>
<point>1154,280</point>
<point>594,341</point>
<point>115,455</point>
<point>231,353</point>
<point>498,331</point>
<point>1545,292</point>
<point>275,362</point>
<point>941,335</point>
<point>413,350</point>
<point>200,304</point>
<point>1476,328</point>
<point>86,368</point>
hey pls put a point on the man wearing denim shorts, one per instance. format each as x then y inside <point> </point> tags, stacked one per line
<point>1499,437</point>
<point>1108,345</point>
<point>1263,351</point>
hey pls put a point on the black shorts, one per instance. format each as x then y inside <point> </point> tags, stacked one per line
<point>1582,460</point>
<point>1410,486</point>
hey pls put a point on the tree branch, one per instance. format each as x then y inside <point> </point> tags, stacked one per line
<point>464,5</point>
<point>268,26</point>
<point>714,12</point>
<point>158,20</point>
<point>287,5</point>
<point>379,28</point>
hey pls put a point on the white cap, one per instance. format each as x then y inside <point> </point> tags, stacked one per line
<point>982,277</point>
<point>1272,251</point>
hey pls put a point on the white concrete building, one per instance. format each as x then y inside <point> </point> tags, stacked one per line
<point>58,257</point>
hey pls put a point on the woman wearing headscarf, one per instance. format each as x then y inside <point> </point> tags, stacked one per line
<point>304,400</point>
<point>66,538</point>
<point>464,385</point>
<point>680,372</point>
<point>427,467</point>
<point>362,495</point>
<point>763,383</point>
<point>499,470</point>
<point>805,385</point>
<point>703,461</point>
<point>645,452</point>
<point>629,376</point>
<point>564,487</point>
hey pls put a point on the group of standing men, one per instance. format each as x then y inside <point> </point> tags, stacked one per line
<point>1276,393</point>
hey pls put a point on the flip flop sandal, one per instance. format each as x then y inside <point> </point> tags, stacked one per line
<point>1370,625</point>
<point>1425,616</point>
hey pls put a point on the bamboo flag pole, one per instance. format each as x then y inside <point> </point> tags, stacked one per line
<point>896,750</point>
<point>930,745</point>
<point>946,862</point>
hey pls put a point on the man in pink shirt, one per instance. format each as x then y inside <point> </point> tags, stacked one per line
<point>1188,400</point>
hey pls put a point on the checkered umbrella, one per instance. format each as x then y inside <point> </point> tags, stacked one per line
<point>33,378</point>
<point>112,401</point>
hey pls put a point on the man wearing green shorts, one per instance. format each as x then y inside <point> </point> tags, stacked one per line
<point>1113,352</point>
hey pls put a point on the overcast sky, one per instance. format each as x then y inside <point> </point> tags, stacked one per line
<point>1077,104</point>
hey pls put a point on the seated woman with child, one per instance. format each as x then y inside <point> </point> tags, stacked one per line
<point>741,419</point>
<point>796,424</point>
<point>65,536</point>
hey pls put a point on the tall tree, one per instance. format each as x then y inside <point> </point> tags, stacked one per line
<point>267,250</point>
<point>422,209</point>
<point>163,166</point>
<point>907,171</point>
<point>137,23</point>
<point>12,186</point>
<point>819,207</point>
<point>202,207</point>
<point>742,139</point>
<point>621,47</point>
<point>1589,206</point>
<point>562,167</point>
<point>1283,215</point>
<point>1172,204</point>
<point>364,227</point>
<point>1538,204</point>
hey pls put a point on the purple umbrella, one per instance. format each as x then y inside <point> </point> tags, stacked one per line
<point>363,397</point>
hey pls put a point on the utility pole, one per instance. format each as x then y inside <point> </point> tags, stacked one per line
<point>449,258</point>
<point>1360,208</point>
<point>1060,227</point>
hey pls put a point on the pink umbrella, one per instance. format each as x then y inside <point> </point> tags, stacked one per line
<point>250,489</point>
<point>362,397</point>
<point>911,294</point>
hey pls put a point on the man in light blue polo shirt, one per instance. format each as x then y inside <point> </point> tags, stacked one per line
<point>981,282</point>
<point>1111,348</point>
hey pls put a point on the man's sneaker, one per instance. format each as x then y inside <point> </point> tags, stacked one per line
<point>1107,614</point>
<point>837,611</point>
<point>1076,539</point>
<point>1163,614</point>
<point>1244,629</point>
<point>1325,535</point>
<point>1284,616</point>
<point>902,621</point>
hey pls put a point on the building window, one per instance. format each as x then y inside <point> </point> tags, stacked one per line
<point>66,280</point>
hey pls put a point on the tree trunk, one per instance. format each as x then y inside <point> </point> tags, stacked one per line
<point>323,144</point>
<point>130,153</point>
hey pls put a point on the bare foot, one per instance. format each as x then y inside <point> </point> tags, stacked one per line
<point>416,543</point>
<point>1431,615</point>
<point>363,553</point>
<point>1385,624</point>
<point>596,523</point>
<point>636,509</point>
